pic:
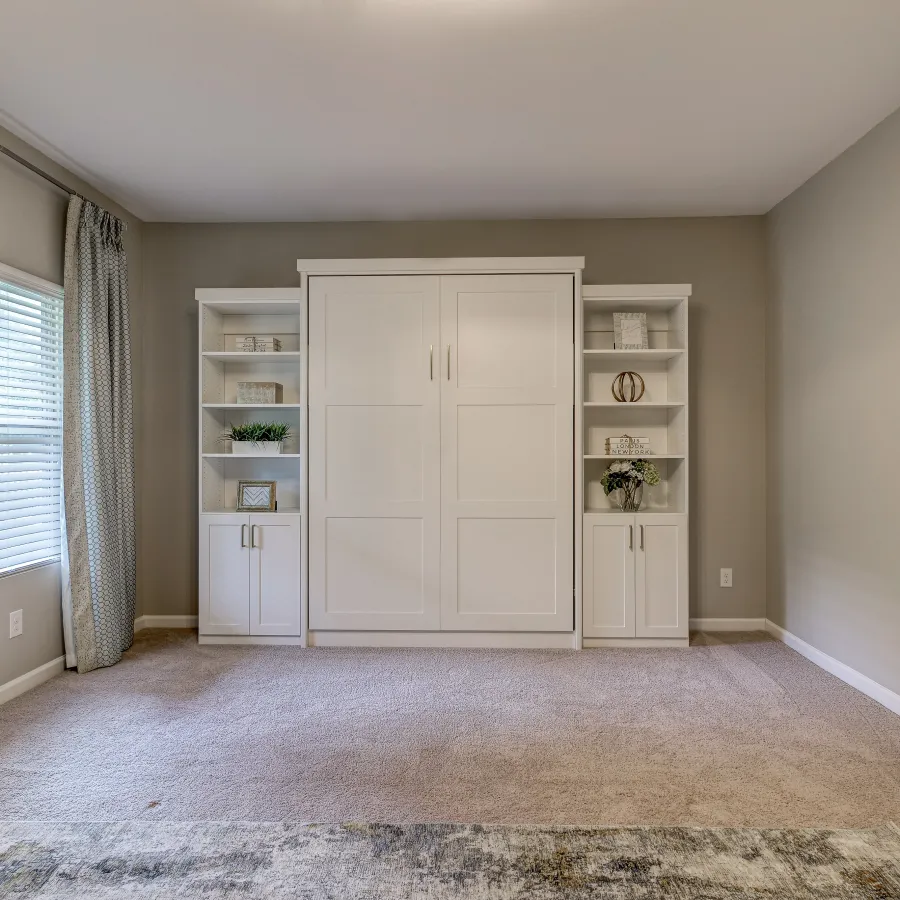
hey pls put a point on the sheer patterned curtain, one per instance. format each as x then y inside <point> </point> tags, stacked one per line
<point>98,446</point>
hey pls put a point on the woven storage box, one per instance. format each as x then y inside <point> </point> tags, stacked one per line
<point>259,392</point>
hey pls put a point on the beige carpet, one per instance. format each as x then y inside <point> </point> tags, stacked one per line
<point>736,730</point>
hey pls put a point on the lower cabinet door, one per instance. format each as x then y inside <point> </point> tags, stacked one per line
<point>224,574</point>
<point>274,600</point>
<point>608,566</point>
<point>662,576</point>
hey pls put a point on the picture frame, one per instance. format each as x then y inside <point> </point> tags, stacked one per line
<point>630,331</point>
<point>256,496</point>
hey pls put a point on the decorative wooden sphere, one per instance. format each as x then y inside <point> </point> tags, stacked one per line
<point>628,387</point>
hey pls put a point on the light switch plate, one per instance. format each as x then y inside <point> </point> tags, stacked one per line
<point>725,578</point>
<point>15,623</point>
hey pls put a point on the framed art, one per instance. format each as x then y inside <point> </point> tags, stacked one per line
<point>630,331</point>
<point>256,496</point>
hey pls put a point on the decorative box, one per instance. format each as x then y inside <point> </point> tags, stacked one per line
<point>259,392</point>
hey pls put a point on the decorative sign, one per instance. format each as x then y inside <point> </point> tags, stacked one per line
<point>626,445</point>
<point>628,387</point>
<point>256,496</point>
<point>630,331</point>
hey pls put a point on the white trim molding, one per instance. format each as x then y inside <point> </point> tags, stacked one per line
<point>27,280</point>
<point>31,679</point>
<point>496,265</point>
<point>53,153</point>
<point>639,291</point>
<point>144,622</point>
<point>253,640</point>
<point>878,692</point>
<point>520,640</point>
<point>728,624</point>
<point>594,643</point>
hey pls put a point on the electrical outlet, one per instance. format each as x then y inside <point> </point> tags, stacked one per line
<point>725,578</point>
<point>15,623</point>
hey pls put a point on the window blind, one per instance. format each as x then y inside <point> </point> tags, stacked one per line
<point>31,401</point>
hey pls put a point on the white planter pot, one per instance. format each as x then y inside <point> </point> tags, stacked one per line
<point>251,448</point>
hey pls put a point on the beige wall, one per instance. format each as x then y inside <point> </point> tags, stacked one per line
<point>833,408</point>
<point>32,237</point>
<point>724,258</point>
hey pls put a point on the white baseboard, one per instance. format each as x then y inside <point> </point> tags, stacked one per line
<point>728,624</point>
<point>164,622</point>
<point>31,679</point>
<point>486,639</point>
<point>862,683</point>
<point>253,640</point>
<point>592,643</point>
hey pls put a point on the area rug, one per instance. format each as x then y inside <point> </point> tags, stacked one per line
<point>218,860</point>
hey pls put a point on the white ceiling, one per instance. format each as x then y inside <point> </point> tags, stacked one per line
<point>223,110</point>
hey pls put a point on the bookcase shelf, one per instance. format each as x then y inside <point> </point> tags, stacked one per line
<point>661,415</point>
<point>226,315</point>
<point>633,406</point>
<point>650,456</point>
<point>251,455</point>
<point>265,406</point>
<point>289,357</point>
<point>632,356</point>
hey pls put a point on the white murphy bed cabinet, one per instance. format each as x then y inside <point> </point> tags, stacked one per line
<point>448,415</point>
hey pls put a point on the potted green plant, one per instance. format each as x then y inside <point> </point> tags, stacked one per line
<point>257,437</point>
<point>627,478</point>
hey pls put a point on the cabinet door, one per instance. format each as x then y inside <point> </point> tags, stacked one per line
<point>507,389</point>
<point>662,576</point>
<point>224,574</point>
<point>374,453</point>
<point>274,574</point>
<point>609,588</point>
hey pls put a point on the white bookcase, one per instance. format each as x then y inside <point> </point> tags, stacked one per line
<point>250,564</point>
<point>635,564</point>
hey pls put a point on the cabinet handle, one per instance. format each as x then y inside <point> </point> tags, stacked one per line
<point>243,536</point>
<point>642,537</point>
<point>431,362</point>
<point>448,362</point>
<point>254,543</point>
<point>631,537</point>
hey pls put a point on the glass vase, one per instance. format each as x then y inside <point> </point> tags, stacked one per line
<point>629,499</point>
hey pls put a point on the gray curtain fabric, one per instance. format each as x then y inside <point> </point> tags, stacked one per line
<point>98,448</point>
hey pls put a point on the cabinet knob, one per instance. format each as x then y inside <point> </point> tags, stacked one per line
<point>243,536</point>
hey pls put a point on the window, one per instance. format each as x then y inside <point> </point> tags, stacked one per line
<point>31,320</point>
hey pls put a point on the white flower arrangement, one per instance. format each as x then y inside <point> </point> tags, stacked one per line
<point>628,476</point>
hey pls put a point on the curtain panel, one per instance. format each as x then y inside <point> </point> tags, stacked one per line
<point>98,444</point>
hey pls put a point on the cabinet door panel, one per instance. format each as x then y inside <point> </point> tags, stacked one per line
<point>275,574</point>
<point>662,577</point>
<point>507,393</point>
<point>224,602</point>
<point>374,453</point>
<point>609,586</point>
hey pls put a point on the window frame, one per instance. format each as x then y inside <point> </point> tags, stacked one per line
<point>29,282</point>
